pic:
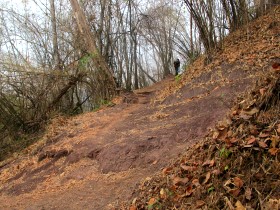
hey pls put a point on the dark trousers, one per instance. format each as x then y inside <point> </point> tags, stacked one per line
<point>177,70</point>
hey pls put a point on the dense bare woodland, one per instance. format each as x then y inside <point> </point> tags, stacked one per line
<point>67,57</point>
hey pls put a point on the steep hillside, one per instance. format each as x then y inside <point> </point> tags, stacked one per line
<point>96,160</point>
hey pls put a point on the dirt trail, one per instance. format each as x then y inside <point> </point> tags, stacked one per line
<point>100,157</point>
<point>97,159</point>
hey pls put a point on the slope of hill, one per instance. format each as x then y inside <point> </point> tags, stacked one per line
<point>95,160</point>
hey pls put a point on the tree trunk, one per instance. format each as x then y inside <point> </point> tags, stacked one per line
<point>56,57</point>
<point>97,58</point>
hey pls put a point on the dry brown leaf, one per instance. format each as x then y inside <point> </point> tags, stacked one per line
<point>188,168</point>
<point>189,190</point>
<point>233,140</point>
<point>235,192</point>
<point>273,151</point>
<point>262,144</point>
<point>209,163</point>
<point>278,128</point>
<point>229,133</point>
<point>239,206</point>
<point>238,182</point>
<point>216,172</point>
<point>195,182</point>
<point>180,181</point>
<point>264,135</point>
<point>276,65</point>
<point>244,116</point>
<point>152,201</point>
<point>253,130</point>
<point>222,134</point>
<point>212,163</point>
<point>199,204</point>
<point>133,207</point>
<point>234,113</point>
<point>207,177</point>
<point>248,193</point>
<point>163,194</point>
<point>262,91</point>
<point>229,204</point>
<point>251,112</point>
<point>215,135</point>
<point>275,140</point>
<point>167,170</point>
<point>251,140</point>
<point>272,204</point>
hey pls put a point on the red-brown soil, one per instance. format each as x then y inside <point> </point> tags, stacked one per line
<point>95,160</point>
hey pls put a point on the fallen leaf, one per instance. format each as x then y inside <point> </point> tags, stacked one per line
<point>272,204</point>
<point>251,140</point>
<point>167,170</point>
<point>262,144</point>
<point>244,116</point>
<point>276,65</point>
<point>239,206</point>
<point>229,133</point>
<point>163,194</point>
<point>222,134</point>
<point>248,193</point>
<point>195,182</point>
<point>215,135</point>
<point>251,112</point>
<point>262,91</point>
<point>180,181</point>
<point>238,182</point>
<point>275,140</point>
<point>229,205</point>
<point>207,177</point>
<point>264,135</point>
<point>199,204</point>
<point>209,163</point>
<point>189,190</point>
<point>216,172</point>
<point>253,130</point>
<point>235,192</point>
<point>234,113</point>
<point>273,151</point>
<point>133,207</point>
<point>212,163</point>
<point>152,201</point>
<point>278,128</point>
<point>188,168</point>
<point>233,140</point>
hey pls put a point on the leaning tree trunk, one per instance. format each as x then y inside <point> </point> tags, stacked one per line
<point>88,37</point>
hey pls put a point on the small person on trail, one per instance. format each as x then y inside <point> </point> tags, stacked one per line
<point>177,66</point>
